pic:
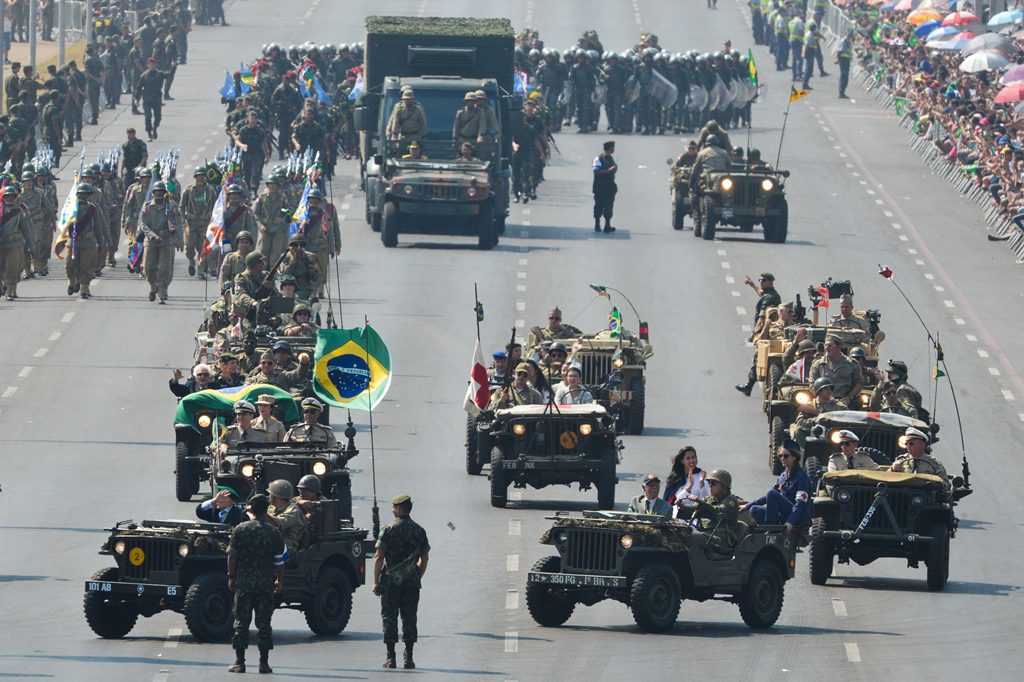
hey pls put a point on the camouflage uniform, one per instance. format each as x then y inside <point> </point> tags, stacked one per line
<point>89,235</point>
<point>197,207</point>
<point>403,542</point>
<point>161,223</point>
<point>844,373</point>
<point>15,234</point>
<point>258,547</point>
<point>305,268</point>
<point>39,212</point>
<point>269,210</point>
<point>292,524</point>
<point>323,238</point>
<point>720,520</point>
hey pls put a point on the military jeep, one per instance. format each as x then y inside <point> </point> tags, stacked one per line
<point>542,445</point>
<point>181,566</point>
<point>613,372</point>
<point>783,410</point>
<point>651,563</point>
<point>862,515</point>
<point>744,198</point>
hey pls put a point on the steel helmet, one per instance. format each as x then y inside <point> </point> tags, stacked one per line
<point>857,352</point>
<point>898,367</point>
<point>281,488</point>
<point>722,476</point>
<point>309,482</point>
<point>820,383</point>
<point>712,141</point>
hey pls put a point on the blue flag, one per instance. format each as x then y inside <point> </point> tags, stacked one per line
<point>228,91</point>
<point>301,213</point>
<point>320,93</point>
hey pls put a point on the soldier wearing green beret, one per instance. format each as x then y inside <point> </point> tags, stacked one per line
<point>398,566</point>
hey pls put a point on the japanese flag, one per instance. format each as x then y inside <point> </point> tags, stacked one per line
<point>478,393</point>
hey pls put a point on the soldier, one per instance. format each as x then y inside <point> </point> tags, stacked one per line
<point>197,202</point>
<point>526,159</point>
<point>604,187</point>
<point>12,84</point>
<point>44,247</point>
<point>253,284</point>
<point>134,198</point>
<point>273,215</point>
<point>649,502</point>
<point>234,262</point>
<point>137,64</point>
<point>554,330</point>
<point>94,73</point>
<point>711,158</point>
<point>86,238</point>
<point>897,394</point>
<point>490,128</point>
<point>718,513</point>
<point>310,431</point>
<point>300,324</point>
<point>113,68</point>
<point>798,369</point>
<point>243,430</point>
<point>518,393</point>
<point>150,90</point>
<point>255,146</point>
<point>15,234</point>
<point>40,220</point>
<point>73,110</point>
<point>161,223</point>
<point>470,122</point>
<point>255,572</point>
<point>134,154</point>
<point>849,456</point>
<point>398,567</point>
<point>822,389</point>
<point>308,134</point>
<point>915,460</point>
<point>303,266</point>
<point>266,421</point>
<point>843,372</point>
<point>267,373</point>
<point>844,55</point>
<point>772,329</point>
<point>408,121</point>
<point>286,516</point>
<point>237,216</point>
<point>789,500</point>
<point>322,234</point>
<point>285,103</point>
<point>846,319</point>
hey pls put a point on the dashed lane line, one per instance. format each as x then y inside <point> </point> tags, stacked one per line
<point>515,527</point>
<point>994,371</point>
<point>41,352</point>
<point>511,642</point>
<point>839,607</point>
<point>1007,394</point>
<point>852,652</point>
<point>972,338</point>
<point>512,563</point>
<point>9,391</point>
<point>54,336</point>
<point>25,371</point>
<point>512,600</point>
<point>67,317</point>
<point>173,636</point>
<point>982,353</point>
<point>959,320</point>
<point>729,279</point>
<point>741,311</point>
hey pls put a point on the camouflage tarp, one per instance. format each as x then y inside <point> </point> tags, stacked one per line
<point>895,479</point>
<point>670,534</point>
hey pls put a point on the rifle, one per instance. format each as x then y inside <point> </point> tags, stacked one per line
<point>551,139</point>
<point>506,381</point>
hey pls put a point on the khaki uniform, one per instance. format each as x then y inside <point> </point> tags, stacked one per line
<point>233,266</point>
<point>323,237</point>
<point>161,224</point>
<point>249,289</point>
<point>528,396</point>
<point>133,200</point>
<point>274,428</point>
<point>15,234</point>
<point>926,465</point>
<point>236,435</point>
<point>407,123</point>
<point>306,269</point>
<point>44,247</point>
<point>844,373</point>
<point>88,237</point>
<point>292,524</point>
<point>470,124</point>
<point>860,460</point>
<point>269,212</point>
<point>40,221</point>
<point>317,433</point>
<point>852,322</point>
<point>283,380</point>
<point>197,209</point>
<point>238,219</point>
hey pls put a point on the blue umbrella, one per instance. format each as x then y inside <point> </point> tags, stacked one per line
<point>927,27</point>
<point>942,33</point>
<point>1006,18</point>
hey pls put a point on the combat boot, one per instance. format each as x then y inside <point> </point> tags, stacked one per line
<point>746,388</point>
<point>239,665</point>
<point>408,663</point>
<point>390,662</point>
<point>264,663</point>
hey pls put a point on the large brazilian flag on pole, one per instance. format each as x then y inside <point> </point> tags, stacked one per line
<point>352,368</point>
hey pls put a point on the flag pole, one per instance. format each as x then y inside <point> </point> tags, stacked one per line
<point>336,248</point>
<point>477,309</point>
<point>375,510</point>
<point>785,119</point>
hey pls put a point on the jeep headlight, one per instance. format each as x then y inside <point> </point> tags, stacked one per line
<point>865,400</point>
<point>407,190</point>
<point>183,550</point>
<point>617,363</point>
<point>726,184</point>
<point>916,500</point>
<point>802,397</point>
<point>471,192</point>
<point>561,537</point>
<point>843,496</point>
<point>902,442</point>
<point>519,429</point>
<point>767,185</point>
<point>247,470</point>
<point>834,437</point>
<point>204,421</point>
<point>119,547</point>
<point>585,429</point>
<point>319,467</point>
<point>626,541</point>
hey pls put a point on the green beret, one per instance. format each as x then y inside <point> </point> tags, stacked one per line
<point>768,275</point>
<point>231,491</point>
<point>400,499</point>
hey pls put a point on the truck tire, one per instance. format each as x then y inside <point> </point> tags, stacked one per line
<point>500,224</point>
<point>328,610</point>
<point>485,224</point>
<point>389,225</point>
<point>654,598</point>
<point>375,222</point>
<point>938,557</point>
<point>499,486</point>
<point>606,481</point>
<point>775,438</point>
<point>777,227</point>
<point>637,408</point>
<point>208,608</point>
<point>547,609</point>
<point>771,381</point>
<point>762,596</point>
<point>678,214</point>
<point>821,554</point>
<point>185,482</point>
<point>709,219</point>
<point>473,466</point>
<point>107,618</point>
<point>698,224</point>
<point>813,469</point>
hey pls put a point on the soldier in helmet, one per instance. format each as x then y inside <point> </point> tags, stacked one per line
<point>398,567</point>
<point>322,234</point>
<point>309,489</point>
<point>604,187</point>
<point>254,284</point>
<point>286,516</point>
<point>301,324</point>
<point>304,266</point>
<point>408,120</point>
<point>86,238</point>
<point>712,157</point>
<point>718,513</point>
<point>134,198</point>
<point>470,122</point>
<point>266,420</point>
<point>896,394</point>
<point>161,223</point>
<point>16,235</point>
<point>310,430</point>
<point>844,373</point>
<point>789,500</point>
<point>40,219</point>
<point>237,216</point>
<point>822,403</point>
<point>234,262</point>
<point>271,211</point>
<point>197,204</point>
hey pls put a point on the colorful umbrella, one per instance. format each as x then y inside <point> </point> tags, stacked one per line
<point>1014,74</point>
<point>986,60</point>
<point>927,27</point>
<point>1012,93</point>
<point>1008,18</point>
<point>992,41</point>
<point>920,16</point>
<point>948,45</point>
<point>942,33</point>
<point>960,19</point>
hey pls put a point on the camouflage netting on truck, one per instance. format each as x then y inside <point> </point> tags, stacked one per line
<point>202,543</point>
<point>440,26</point>
<point>669,534</point>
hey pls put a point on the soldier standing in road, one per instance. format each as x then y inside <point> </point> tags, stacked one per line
<point>323,236</point>
<point>604,187</point>
<point>255,573</point>
<point>40,216</point>
<point>843,58</point>
<point>133,154</point>
<point>87,237</point>
<point>134,198</point>
<point>150,90</point>
<point>271,211</point>
<point>255,145</point>
<point>197,203</point>
<point>398,567</point>
<point>15,233</point>
<point>237,216</point>
<point>161,223</point>
<point>94,73</point>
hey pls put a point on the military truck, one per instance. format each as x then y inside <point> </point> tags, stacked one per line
<point>442,59</point>
<point>651,563</point>
<point>542,445</point>
<point>744,198</point>
<point>862,516</point>
<point>181,566</point>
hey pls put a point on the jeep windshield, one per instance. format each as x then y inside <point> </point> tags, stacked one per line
<point>440,106</point>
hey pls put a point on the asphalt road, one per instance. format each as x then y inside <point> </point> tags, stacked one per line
<point>85,414</point>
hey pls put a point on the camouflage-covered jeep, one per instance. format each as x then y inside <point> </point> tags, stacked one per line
<point>744,198</point>
<point>613,372</point>
<point>651,563</point>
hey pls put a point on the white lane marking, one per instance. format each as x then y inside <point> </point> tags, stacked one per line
<point>172,638</point>
<point>929,275</point>
<point>25,371</point>
<point>919,261</point>
<point>870,191</point>
<point>729,279</point>
<point>161,676</point>
<point>888,214</point>
<point>843,155</point>
<point>520,287</point>
<point>9,391</point>
<point>735,293</point>
<point>511,642</point>
<point>864,182</point>
<point>200,150</point>
<point>345,207</point>
<point>721,252</point>
<point>835,146</point>
<point>726,265</point>
<point>826,129</point>
<point>54,336</point>
<point>855,173</point>
<point>879,202</point>
<point>1021,417</point>
<point>959,320</point>
<point>515,527</point>
<point>740,310</point>
<point>904,238</point>
<point>512,563</point>
<point>949,304</point>
<point>521,275</point>
<point>515,495</point>
<point>939,289</point>
<point>511,600</point>
<point>520,323</point>
<point>850,165</point>
<point>993,371</point>
<point>897,226</point>
<point>912,252</point>
<point>1007,394</point>
<point>982,353</point>
<point>523,261</point>
<point>67,317</point>
<point>972,338</point>
<point>520,305</point>
<point>839,607</point>
<point>852,652</point>
<point>41,352</point>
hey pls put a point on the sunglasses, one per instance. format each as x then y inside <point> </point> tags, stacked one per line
<point>557,354</point>
<point>784,455</point>
<point>310,411</point>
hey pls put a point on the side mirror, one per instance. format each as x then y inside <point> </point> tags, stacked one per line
<point>785,173</point>
<point>365,113</point>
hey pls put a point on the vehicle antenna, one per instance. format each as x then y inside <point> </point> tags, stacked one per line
<point>375,510</point>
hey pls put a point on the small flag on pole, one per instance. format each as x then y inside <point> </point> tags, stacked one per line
<point>478,393</point>
<point>615,323</point>
<point>752,65</point>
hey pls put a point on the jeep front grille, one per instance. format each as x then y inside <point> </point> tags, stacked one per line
<point>157,555</point>
<point>885,440</point>
<point>544,437</point>
<point>443,192</point>
<point>746,192</point>
<point>591,551</point>
<point>861,500</point>
<point>596,367</point>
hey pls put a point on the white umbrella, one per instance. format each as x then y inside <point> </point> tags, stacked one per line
<point>1004,19</point>
<point>986,60</point>
<point>991,41</point>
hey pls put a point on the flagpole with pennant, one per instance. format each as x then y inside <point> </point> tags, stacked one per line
<point>794,95</point>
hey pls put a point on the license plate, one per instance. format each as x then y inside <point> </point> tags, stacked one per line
<point>513,464</point>
<point>726,212</point>
<point>574,580</point>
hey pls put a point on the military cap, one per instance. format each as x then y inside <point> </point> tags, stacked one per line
<point>651,478</point>
<point>897,367</point>
<point>315,193</point>
<point>787,305</point>
<point>833,338</point>
<point>845,436</point>
<point>288,279</point>
<point>267,355</point>
<point>556,311</point>
<point>522,367</point>
<point>722,476</point>
<point>846,299</point>
<point>407,93</point>
<point>915,433</point>
<point>253,258</point>
<point>11,191</point>
<point>469,97</point>
<point>130,130</point>
<point>301,308</point>
<point>231,491</point>
<point>281,345</point>
<point>768,276</point>
<point>265,399</point>
<point>281,488</point>
<point>313,403</point>
<point>151,60</point>
<point>400,499</point>
<point>499,355</point>
<point>84,188</point>
<point>805,346</point>
<point>228,357</point>
<point>244,406</point>
<point>480,94</point>
<point>244,234</point>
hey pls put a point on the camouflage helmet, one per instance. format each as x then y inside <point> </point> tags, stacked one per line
<point>300,308</point>
<point>722,476</point>
<point>820,383</point>
<point>281,489</point>
<point>309,482</point>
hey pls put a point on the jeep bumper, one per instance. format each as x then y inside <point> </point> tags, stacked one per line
<point>578,581</point>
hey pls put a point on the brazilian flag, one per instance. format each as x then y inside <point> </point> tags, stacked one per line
<point>223,400</point>
<point>352,368</point>
<point>615,323</point>
<point>752,66</point>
